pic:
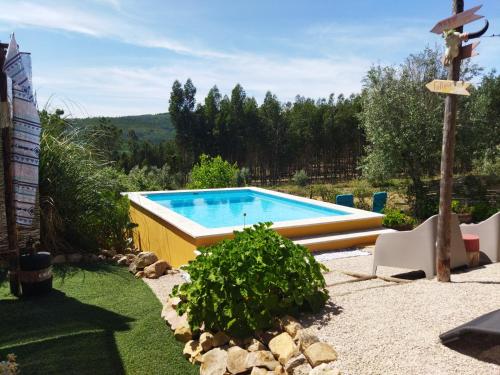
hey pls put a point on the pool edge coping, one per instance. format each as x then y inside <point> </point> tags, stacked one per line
<point>197,231</point>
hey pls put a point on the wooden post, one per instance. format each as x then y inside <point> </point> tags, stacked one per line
<point>13,252</point>
<point>447,156</point>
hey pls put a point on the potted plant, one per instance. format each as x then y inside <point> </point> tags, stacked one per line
<point>463,211</point>
<point>396,219</point>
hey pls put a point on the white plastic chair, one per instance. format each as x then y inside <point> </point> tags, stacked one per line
<point>416,249</point>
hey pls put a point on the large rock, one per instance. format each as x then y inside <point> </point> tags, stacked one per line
<point>214,362</point>
<point>206,341</point>
<point>192,350</point>
<point>306,339</point>
<point>74,258</point>
<point>59,259</point>
<point>303,369</point>
<point>142,260</point>
<point>157,269</point>
<point>255,345</point>
<point>283,347</point>
<point>108,253</point>
<point>175,320</point>
<point>145,259</point>
<point>237,360</point>
<point>294,362</point>
<point>220,338</point>
<point>259,371</point>
<point>183,333</point>
<point>290,325</point>
<point>319,353</point>
<point>324,369</point>
<point>123,261</point>
<point>268,335</point>
<point>262,358</point>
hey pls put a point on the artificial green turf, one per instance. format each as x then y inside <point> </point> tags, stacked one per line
<point>98,320</point>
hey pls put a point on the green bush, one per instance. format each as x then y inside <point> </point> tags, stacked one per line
<point>300,178</point>
<point>460,208</point>
<point>212,173</point>
<point>79,193</point>
<point>396,219</point>
<point>483,210</point>
<point>240,285</point>
<point>150,178</point>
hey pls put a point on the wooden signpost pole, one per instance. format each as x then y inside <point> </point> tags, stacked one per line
<point>13,252</point>
<point>447,156</point>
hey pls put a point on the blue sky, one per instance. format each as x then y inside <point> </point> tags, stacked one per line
<point>120,57</point>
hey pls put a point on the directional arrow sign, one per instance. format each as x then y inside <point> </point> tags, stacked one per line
<point>449,87</point>
<point>468,50</point>
<point>457,20</point>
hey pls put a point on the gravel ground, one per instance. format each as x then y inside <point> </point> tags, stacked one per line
<point>380,327</point>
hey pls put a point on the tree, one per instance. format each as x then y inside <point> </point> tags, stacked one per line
<point>402,121</point>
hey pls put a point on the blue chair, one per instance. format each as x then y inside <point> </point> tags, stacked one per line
<point>345,200</point>
<point>379,201</point>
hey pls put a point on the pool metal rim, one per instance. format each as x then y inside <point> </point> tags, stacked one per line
<point>198,231</point>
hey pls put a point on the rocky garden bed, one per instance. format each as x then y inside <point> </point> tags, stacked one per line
<point>285,349</point>
<point>141,264</point>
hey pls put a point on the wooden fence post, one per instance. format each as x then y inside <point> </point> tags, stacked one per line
<point>443,243</point>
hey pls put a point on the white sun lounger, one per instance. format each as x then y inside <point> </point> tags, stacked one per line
<point>489,236</point>
<point>416,249</point>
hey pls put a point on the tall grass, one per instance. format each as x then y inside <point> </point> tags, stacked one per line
<point>79,191</point>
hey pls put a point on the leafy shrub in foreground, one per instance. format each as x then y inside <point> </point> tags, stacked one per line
<point>240,285</point>
<point>212,173</point>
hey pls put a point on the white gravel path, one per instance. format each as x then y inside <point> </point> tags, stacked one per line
<point>380,327</point>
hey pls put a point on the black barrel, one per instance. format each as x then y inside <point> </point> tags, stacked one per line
<point>36,273</point>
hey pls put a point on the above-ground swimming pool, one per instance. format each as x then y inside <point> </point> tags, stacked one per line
<point>174,223</point>
<point>227,208</point>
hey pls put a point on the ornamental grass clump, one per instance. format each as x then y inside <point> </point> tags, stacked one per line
<point>241,285</point>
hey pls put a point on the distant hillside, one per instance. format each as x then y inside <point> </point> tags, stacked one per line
<point>153,128</point>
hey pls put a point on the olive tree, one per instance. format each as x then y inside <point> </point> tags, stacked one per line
<point>403,122</point>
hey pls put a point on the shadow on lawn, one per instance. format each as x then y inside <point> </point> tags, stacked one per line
<point>58,334</point>
<point>485,348</point>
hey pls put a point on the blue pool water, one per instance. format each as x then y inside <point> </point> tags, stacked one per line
<point>227,208</point>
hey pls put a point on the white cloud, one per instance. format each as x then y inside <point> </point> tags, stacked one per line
<point>49,16</point>
<point>134,90</point>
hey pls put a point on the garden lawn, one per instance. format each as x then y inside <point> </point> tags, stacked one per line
<point>98,320</point>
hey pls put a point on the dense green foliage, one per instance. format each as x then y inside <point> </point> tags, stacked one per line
<point>98,320</point>
<point>241,285</point>
<point>152,128</point>
<point>212,173</point>
<point>403,124</point>
<point>79,194</point>
<point>397,219</point>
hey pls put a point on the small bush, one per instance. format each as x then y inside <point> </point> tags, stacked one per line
<point>300,178</point>
<point>396,219</point>
<point>243,177</point>
<point>460,208</point>
<point>482,211</point>
<point>212,173</point>
<point>240,285</point>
